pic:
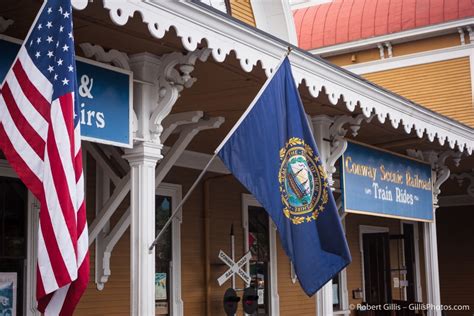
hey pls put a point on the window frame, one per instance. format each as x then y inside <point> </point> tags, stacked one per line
<point>247,201</point>
<point>175,192</point>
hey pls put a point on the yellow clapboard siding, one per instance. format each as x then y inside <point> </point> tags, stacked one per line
<point>444,87</point>
<point>242,10</point>
<point>400,49</point>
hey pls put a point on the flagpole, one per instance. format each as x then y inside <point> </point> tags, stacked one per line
<point>259,94</point>
<point>180,205</point>
<point>201,175</point>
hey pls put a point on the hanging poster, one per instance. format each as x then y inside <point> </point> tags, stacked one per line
<point>160,286</point>
<point>8,293</point>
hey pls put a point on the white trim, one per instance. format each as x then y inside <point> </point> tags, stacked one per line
<point>421,58</point>
<point>276,18</point>
<point>196,23</point>
<point>416,240</point>
<point>175,192</point>
<point>249,200</point>
<point>367,229</point>
<point>395,38</point>
<point>30,302</point>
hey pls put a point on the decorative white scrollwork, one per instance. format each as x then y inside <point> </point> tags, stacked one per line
<point>196,25</point>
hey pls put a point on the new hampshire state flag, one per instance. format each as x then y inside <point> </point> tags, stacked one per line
<point>272,152</point>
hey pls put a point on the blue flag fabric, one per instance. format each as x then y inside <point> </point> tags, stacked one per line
<point>274,155</point>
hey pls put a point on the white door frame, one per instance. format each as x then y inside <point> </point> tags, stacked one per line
<point>249,200</point>
<point>416,240</point>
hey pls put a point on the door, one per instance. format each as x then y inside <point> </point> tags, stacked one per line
<point>377,268</point>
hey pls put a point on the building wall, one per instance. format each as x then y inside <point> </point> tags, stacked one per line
<point>224,208</point>
<point>242,10</point>
<point>444,87</point>
<point>293,301</point>
<point>456,257</point>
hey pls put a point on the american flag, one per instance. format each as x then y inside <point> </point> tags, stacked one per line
<point>40,136</point>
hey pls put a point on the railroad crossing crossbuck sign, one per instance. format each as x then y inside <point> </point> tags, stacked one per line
<point>234,268</point>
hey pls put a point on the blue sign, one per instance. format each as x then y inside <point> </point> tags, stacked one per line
<point>380,183</point>
<point>105,97</point>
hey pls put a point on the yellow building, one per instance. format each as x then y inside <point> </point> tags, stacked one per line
<point>194,67</point>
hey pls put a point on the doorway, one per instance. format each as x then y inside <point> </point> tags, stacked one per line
<point>377,268</point>
<point>389,269</point>
<point>13,245</point>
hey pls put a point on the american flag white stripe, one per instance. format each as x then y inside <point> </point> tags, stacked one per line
<point>63,143</point>
<point>57,301</point>
<point>42,84</point>
<point>40,137</point>
<point>27,109</point>
<point>19,143</point>
<point>44,265</point>
<point>59,225</point>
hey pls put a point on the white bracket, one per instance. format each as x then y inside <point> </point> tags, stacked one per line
<point>461,35</point>
<point>337,132</point>
<point>113,56</point>
<point>187,131</point>
<point>5,24</point>
<point>381,50</point>
<point>174,75</point>
<point>471,34</point>
<point>389,49</point>
<point>438,164</point>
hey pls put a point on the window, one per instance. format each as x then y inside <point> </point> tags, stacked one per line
<point>258,235</point>
<point>260,240</point>
<point>13,245</point>
<point>168,253</point>
<point>163,256</point>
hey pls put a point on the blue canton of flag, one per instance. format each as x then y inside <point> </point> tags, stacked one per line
<point>273,154</point>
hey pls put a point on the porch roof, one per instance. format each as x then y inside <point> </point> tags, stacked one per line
<point>198,24</point>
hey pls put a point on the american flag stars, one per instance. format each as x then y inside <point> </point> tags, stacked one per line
<point>51,45</point>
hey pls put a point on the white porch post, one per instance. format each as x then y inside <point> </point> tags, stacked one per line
<point>321,125</point>
<point>430,242</point>
<point>439,175</point>
<point>143,158</point>
<point>431,265</point>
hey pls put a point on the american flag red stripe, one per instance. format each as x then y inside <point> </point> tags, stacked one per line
<point>40,136</point>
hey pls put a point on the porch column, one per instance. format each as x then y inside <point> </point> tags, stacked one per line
<point>430,242</point>
<point>142,158</point>
<point>431,265</point>
<point>439,175</point>
<point>321,125</point>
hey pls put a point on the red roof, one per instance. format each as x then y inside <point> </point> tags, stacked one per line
<point>343,21</point>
